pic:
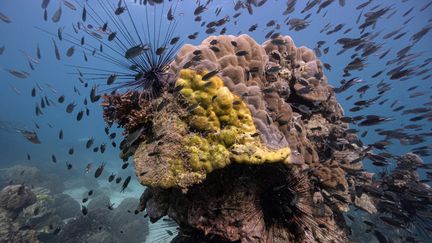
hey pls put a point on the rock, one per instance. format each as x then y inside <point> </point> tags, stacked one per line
<point>13,231</point>
<point>128,226</point>
<point>103,237</point>
<point>65,206</point>
<point>83,227</point>
<point>15,197</point>
<point>101,201</point>
<point>29,175</point>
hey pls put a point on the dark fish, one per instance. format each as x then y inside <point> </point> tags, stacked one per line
<point>112,36</point>
<point>61,99</point>
<point>45,16</point>
<point>84,14</point>
<point>118,180</point>
<point>132,137</point>
<point>125,165</point>
<point>209,75</point>
<point>371,120</point>
<point>136,51</point>
<point>199,9</point>
<point>111,177</point>
<point>79,115</point>
<point>70,107</point>
<point>214,48</point>
<point>68,166</point>
<point>93,96</point>
<point>71,151</point>
<point>126,183</point>
<point>99,170</point>
<point>54,159</point>
<point>84,210</point>
<point>241,53</point>
<point>90,193</point>
<point>174,40</point>
<point>160,50</point>
<point>56,50</point>
<point>170,15</point>
<point>89,142</point>
<point>253,28</point>
<point>102,147</point>
<point>5,18</point>
<point>84,200</point>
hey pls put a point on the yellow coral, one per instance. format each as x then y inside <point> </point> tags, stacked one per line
<point>227,119</point>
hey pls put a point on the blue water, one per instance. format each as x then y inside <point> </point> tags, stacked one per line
<point>18,109</point>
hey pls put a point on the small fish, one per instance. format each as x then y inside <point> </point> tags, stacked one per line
<point>54,159</point>
<point>125,165</point>
<point>45,16</point>
<point>208,75</point>
<point>89,142</point>
<point>69,5</point>
<point>61,99</point>
<point>88,168</point>
<point>70,107</point>
<point>241,53</point>
<point>31,136</point>
<point>68,165</point>
<point>110,206</point>
<point>90,193</point>
<point>118,180</point>
<point>252,28</point>
<point>99,170</point>
<point>174,40</point>
<point>125,183</point>
<point>170,15</point>
<point>79,115</point>
<point>199,9</point>
<point>136,51</point>
<point>93,96</point>
<point>84,210</point>
<point>84,14</point>
<point>18,74</point>
<point>44,4</point>
<point>111,177</point>
<point>214,48</point>
<point>56,50</point>
<point>70,51</point>
<point>5,18</point>
<point>57,15</point>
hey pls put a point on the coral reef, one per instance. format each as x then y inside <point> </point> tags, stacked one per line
<point>247,143</point>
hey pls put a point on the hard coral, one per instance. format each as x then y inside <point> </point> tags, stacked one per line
<point>214,130</point>
<point>217,140</point>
